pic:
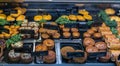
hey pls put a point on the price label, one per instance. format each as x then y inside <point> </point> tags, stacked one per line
<point>26,31</point>
<point>75,54</point>
<point>97,54</point>
<point>40,53</point>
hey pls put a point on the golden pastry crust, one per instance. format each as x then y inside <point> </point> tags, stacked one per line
<point>56,35</point>
<point>45,36</point>
<point>83,12</point>
<point>10,18</point>
<point>116,18</point>
<point>73,17</point>
<point>80,18</point>
<point>20,18</point>
<point>74,29</point>
<point>86,35</point>
<point>87,17</point>
<point>91,49</point>
<point>38,18</point>
<point>41,47</point>
<point>47,17</point>
<point>50,58</point>
<point>76,34</point>
<point>66,29</point>
<point>90,31</point>
<point>88,41</point>
<point>2,16</point>
<point>66,34</point>
<point>110,11</point>
<point>66,49</point>
<point>49,43</point>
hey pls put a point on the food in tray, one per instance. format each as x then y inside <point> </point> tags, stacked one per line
<point>45,36</point>
<point>90,31</point>
<point>20,18</point>
<point>111,40</point>
<point>74,29</point>
<point>101,45</point>
<point>87,17</point>
<point>66,29</point>
<point>72,17</point>
<point>114,54</point>
<point>95,29</point>
<point>2,16</point>
<point>49,43</point>
<point>1,11</point>
<point>66,49</point>
<point>49,33</point>
<point>30,26</point>
<point>66,34</point>
<point>47,17</point>
<point>80,18</point>
<point>83,12</point>
<point>41,47</point>
<point>18,44</point>
<point>76,34</point>
<point>110,11</point>
<point>97,35</point>
<point>10,18</point>
<point>86,35</point>
<point>13,56</point>
<point>19,12</point>
<point>38,18</point>
<point>116,18</point>
<point>105,58</point>
<point>80,59</point>
<point>26,58</point>
<point>91,49</point>
<point>56,35</point>
<point>50,58</point>
<point>13,30</point>
<point>84,15</point>
<point>88,41</point>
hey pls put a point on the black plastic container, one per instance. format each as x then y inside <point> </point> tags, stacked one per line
<point>39,60</point>
<point>27,48</point>
<point>76,46</point>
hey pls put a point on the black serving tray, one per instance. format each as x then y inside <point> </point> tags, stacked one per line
<point>44,53</point>
<point>27,48</point>
<point>76,46</point>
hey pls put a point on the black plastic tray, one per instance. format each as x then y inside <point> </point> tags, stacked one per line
<point>76,46</point>
<point>44,54</point>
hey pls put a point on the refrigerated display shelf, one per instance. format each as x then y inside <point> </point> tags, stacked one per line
<point>86,64</point>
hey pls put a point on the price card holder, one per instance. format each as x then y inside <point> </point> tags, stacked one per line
<point>75,54</point>
<point>97,54</point>
<point>26,31</point>
<point>40,53</point>
<point>52,27</point>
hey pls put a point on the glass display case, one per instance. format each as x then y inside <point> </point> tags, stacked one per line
<point>60,32</point>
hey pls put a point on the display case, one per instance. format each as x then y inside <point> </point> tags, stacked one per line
<point>60,32</point>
